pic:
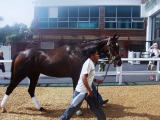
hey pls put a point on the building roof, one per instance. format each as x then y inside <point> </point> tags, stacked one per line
<point>42,3</point>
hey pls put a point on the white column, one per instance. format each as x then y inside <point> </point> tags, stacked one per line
<point>157,74</point>
<point>117,74</point>
<point>148,32</point>
<point>120,76</point>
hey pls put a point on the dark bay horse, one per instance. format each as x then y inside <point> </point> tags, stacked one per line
<point>65,61</point>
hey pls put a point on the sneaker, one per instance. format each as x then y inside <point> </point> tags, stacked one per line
<point>79,113</point>
<point>104,102</point>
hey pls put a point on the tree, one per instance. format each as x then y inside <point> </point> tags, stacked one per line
<point>150,3</point>
<point>15,33</point>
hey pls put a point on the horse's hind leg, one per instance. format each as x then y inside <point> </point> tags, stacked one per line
<point>33,82</point>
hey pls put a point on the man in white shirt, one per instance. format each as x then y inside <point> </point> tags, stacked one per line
<point>84,90</point>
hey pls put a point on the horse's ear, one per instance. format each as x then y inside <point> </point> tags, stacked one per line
<point>117,37</point>
<point>114,36</point>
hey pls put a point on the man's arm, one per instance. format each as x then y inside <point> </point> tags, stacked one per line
<point>98,81</point>
<point>85,82</point>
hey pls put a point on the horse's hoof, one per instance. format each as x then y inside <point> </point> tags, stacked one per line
<point>42,109</point>
<point>3,110</point>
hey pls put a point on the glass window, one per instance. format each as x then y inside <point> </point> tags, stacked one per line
<point>157,21</point>
<point>110,11</point>
<point>123,11</point>
<point>138,25</point>
<point>52,19</point>
<point>43,19</point>
<point>52,24</point>
<point>110,19</point>
<point>83,24</point>
<point>136,11</point>
<point>43,12</point>
<point>138,19</point>
<point>62,11</point>
<point>83,19</point>
<point>123,25</point>
<point>73,19</point>
<point>62,19</point>
<point>83,11</point>
<point>127,20</point>
<point>43,25</point>
<point>72,24</point>
<point>94,11</point>
<point>93,24</point>
<point>94,19</point>
<point>73,11</point>
<point>62,24</point>
<point>110,24</point>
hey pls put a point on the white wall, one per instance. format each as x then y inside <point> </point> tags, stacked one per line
<point>6,51</point>
<point>85,2</point>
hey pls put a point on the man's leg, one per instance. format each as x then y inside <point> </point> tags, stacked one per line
<point>96,93</point>
<point>96,108</point>
<point>74,106</point>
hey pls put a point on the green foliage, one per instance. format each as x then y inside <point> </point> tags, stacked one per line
<point>15,33</point>
<point>150,3</point>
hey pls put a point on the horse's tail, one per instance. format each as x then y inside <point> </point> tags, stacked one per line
<point>12,66</point>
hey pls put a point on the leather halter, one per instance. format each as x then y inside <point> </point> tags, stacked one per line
<point>106,50</point>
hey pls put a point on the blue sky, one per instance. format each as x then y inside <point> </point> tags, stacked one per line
<point>20,11</point>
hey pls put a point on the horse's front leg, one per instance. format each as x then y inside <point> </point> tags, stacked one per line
<point>33,82</point>
<point>3,103</point>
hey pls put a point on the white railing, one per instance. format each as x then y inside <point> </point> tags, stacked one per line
<point>134,55</point>
<point>118,71</point>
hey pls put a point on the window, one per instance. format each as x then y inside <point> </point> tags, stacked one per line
<point>94,11</point>
<point>123,23</point>
<point>73,11</point>
<point>110,11</point>
<point>123,11</point>
<point>126,17</point>
<point>62,11</point>
<point>83,11</point>
<point>43,12</point>
<point>69,17</point>
<point>136,11</point>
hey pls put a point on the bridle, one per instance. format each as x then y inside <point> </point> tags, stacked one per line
<point>106,50</point>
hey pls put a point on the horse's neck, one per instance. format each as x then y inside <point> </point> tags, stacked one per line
<point>87,46</point>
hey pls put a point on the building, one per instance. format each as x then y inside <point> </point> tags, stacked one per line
<point>152,14</point>
<point>57,22</point>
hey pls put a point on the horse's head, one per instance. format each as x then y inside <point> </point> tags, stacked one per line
<point>111,50</point>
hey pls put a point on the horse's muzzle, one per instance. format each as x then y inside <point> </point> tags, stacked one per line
<point>117,62</point>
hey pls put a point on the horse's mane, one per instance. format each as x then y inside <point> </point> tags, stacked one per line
<point>93,40</point>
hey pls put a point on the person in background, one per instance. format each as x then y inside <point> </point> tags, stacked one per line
<point>154,53</point>
<point>2,67</point>
<point>84,90</point>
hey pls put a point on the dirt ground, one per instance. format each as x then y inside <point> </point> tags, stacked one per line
<point>125,103</point>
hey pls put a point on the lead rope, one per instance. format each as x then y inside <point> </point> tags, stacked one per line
<point>104,78</point>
